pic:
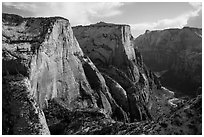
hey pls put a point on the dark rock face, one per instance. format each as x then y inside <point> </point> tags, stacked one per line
<point>118,93</point>
<point>184,120</point>
<point>110,47</point>
<point>176,54</point>
<point>21,113</point>
<point>106,44</point>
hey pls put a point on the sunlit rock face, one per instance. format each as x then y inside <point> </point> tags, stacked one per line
<point>45,52</point>
<point>176,54</point>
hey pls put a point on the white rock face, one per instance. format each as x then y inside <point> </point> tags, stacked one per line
<point>45,51</point>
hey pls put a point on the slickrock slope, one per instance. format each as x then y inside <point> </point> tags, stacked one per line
<point>176,54</point>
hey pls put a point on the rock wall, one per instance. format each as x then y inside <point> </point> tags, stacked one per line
<point>108,44</point>
<point>110,47</point>
<point>45,51</point>
<point>176,54</point>
<point>111,43</point>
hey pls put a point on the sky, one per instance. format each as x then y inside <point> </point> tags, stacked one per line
<point>141,16</point>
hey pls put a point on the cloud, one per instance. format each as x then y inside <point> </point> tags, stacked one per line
<point>177,22</point>
<point>104,9</point>
<point>20,6</point>
<point>196,5</point>
<point>195,21</point>
<point>192,18</point>
<point>77,13</point>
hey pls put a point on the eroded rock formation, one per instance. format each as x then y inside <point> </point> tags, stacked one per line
<point>110,47</point>
<point>176,54</point>
<point>45,52</point>
<point>51,87</point>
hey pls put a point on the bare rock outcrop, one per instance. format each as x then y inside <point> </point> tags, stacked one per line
<point>176,56</point>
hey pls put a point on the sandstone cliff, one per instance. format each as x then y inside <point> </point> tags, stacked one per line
<point>51,87</point>
<point>176,54</point>
<point>45,52</point>
<point>110,47</point>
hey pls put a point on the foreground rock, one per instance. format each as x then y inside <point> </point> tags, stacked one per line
<point>21,113</point>
<point>176,54</point>
<point>183,120</point>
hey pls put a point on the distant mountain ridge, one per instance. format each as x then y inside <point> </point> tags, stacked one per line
<point>177,50</point>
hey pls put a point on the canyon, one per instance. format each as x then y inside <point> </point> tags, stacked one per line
<point>58,79</point>
<point>176,56</point>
